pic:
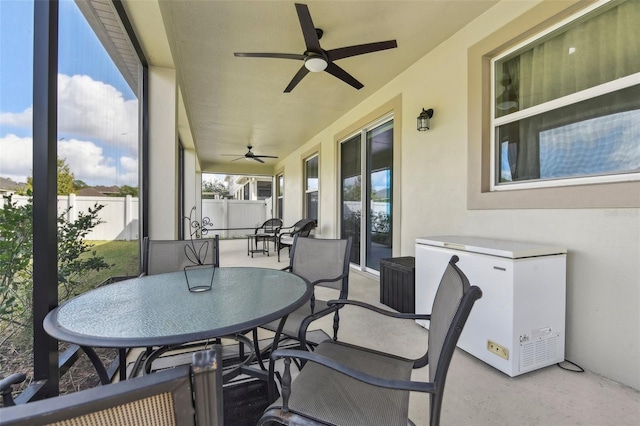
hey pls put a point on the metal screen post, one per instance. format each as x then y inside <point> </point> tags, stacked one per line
<point>45,149</point>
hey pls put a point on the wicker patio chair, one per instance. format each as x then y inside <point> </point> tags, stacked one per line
<point>184,395</point>
<point>346,384</point>
<point>269,231</point>
<point>285,238</point>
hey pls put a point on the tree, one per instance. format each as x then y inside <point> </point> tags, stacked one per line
<point>216,188</point>
<point>65,179</point>
<point>127,190</point>
<point>352,189</point>
<point>79,184</point>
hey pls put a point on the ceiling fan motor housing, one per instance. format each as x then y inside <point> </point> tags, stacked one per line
<point>315,62</point>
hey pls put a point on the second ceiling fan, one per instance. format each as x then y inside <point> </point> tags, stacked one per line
<point>249,156</point>
<point>316,59</point>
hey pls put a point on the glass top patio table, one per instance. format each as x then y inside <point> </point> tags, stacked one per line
<point>159,309</point>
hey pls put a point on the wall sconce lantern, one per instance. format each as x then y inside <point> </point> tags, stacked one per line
<point>423,119</point>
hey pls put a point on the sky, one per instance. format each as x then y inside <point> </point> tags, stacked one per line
<point>97,111</point>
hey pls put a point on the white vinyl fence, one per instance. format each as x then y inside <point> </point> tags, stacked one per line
<point>119,214</point>
<point>121,221</point>
<point>235,218</point>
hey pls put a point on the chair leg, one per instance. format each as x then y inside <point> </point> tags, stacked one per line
<point>256,347</point>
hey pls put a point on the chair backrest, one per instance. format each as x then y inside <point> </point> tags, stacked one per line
<point>160,256</point>
<point>323,262</point>
<point>270,226</point>
<point>169,397</point>
<point>303,227</point>
<point>451,307</point>
<point>306,227</point>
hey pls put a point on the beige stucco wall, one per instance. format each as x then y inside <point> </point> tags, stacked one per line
<point>603,272</point>
<point>163,153</point>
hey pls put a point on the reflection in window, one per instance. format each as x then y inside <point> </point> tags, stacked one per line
<point>264,190</point>
<point>280,195</point>
<point>567,104</point>
<point>311,187</point>
<point>574,141</point>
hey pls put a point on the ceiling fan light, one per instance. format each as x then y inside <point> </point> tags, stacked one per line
<point>315,64</point>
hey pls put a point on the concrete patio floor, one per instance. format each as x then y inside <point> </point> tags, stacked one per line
<point>476,393</point>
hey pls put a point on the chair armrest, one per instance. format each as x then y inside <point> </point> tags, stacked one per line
<point>283,234</point>
<point>306,322</point>
<point>286,227</point>
<point>378,310</point>
<point>287,268</point>
<point>331,280</point>
<point>406,385</point>
<point>5,387</point>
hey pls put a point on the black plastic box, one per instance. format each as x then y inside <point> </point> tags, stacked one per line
<point>397,283</point>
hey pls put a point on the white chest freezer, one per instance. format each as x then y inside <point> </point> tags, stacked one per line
<point>519,323</point>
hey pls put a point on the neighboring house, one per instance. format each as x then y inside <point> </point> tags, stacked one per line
<point>107,190</point>
<point>9,186</point>
<point>250,187</point>
<point>89,192</point>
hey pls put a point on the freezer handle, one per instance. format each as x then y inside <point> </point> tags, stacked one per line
<point>455,246</point>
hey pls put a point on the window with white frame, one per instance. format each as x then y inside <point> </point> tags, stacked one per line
<point>280,195</point>
<point>566,104</point>
<point>311,187</point>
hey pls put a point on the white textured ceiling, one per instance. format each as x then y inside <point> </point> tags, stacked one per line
<point>232,102</point>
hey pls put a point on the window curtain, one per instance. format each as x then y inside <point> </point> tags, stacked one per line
<point>593,51</point>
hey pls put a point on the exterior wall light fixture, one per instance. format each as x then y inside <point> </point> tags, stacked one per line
<point>423,119</point>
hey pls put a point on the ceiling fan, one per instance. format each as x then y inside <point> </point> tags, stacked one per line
<point>249,156</point>
<point>316,59</point>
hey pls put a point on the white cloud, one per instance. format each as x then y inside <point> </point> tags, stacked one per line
<point>128,173</point>
<point>100,129</point>
<point>95,110</point>
<point>19,119</point>
<point>15,157</point>
<point>85,159</point>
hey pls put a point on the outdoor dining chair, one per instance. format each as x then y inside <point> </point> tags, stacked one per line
<point>184,395</point>
<point>161,256</point>
<point>285,238</point>
<point>343,384</point>
<point>324,263</point>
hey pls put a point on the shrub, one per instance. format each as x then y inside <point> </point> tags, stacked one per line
<point>16,260</point>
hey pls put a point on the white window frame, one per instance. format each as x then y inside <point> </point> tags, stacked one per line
<point>279,195</point>
<point>306,190</point>
<point>573,98</point>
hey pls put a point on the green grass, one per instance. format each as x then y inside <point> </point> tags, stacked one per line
<point>123,255</point>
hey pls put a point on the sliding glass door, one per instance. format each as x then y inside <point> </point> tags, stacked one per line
<point>366,170</point>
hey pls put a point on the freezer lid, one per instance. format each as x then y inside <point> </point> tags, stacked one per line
<point>493,247</point>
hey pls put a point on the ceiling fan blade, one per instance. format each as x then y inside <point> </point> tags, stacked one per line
<point>232,155</point>
<point>270,55</point>
<point>264,156</point>
<point>296,79</point>
<point>360,49</point>
<point>338,72</point>
<point>311,39</point>
<point>239,158</point>
<point>257,159</point>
